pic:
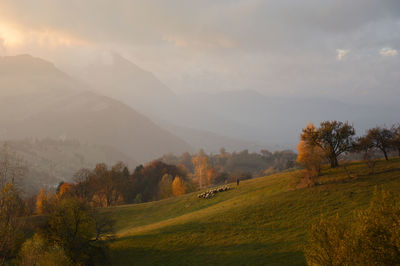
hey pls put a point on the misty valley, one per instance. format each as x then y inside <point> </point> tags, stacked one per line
<point>231,132</point>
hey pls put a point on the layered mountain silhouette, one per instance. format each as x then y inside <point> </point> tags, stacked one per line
<point>121,79</point>
<point>37,100</point>
<point>280,120</point>
<point>230,119</point>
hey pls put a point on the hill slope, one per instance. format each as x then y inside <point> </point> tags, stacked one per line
<point>50,161</point>
<point>264,221</point>
<point>37,100</point>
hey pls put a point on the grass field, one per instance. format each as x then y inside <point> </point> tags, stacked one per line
<point>264,221</point>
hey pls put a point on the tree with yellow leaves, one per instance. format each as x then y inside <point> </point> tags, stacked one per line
<point>178,186</point>
<point>64,189</point>
<point>41,202</point>
<point>310,156</point>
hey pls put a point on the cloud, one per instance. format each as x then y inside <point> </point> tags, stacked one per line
<point>341,54</point>
<point>388,52</point>
<point>271,46</point>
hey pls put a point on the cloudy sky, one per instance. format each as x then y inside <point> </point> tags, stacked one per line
<point>346,50</point>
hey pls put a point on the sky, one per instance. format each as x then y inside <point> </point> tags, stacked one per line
<point>340,49</point>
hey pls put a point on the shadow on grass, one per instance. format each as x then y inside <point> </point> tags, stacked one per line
<point>240,254</point>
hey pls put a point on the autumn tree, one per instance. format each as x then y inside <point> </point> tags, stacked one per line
<point>200,162</point>
<point>41,202</point>
<point>108,184</point>
<point>310,157</point>
<point>38,251</point>
<point>333,137</point>
<point>45,202</point>
<point>211,175</point>
<point>64,189</point>
<point>178,186</point>
<point>381,138</point>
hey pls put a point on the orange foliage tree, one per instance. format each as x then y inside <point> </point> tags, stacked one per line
<point>41,202</point>
<point>211,174</point>
<point>310,156</point>
<point>178,186</point>
<point>64,189</point>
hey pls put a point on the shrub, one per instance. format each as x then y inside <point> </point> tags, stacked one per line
<point>373,238</point>
<point>37,251</point>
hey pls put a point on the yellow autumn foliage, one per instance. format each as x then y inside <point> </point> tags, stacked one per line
<point>64,189</point>
<point>41,202</point>
<point>310,156</point>
<point>178,186</point>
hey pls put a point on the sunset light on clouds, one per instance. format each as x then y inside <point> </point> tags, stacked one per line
<point>195,46</point>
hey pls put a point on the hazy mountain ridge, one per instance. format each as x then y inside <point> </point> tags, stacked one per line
<point>212,142</point>
<point>45,102</point>
<point>281,119</point>
<point>123,80</point>
<point>231,118</point>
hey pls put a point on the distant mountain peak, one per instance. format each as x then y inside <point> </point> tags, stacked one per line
<point>117,77</point>
<point>26,64</point>
<point>38,100</point>
<point>115,62</point>
<point>26,59</point>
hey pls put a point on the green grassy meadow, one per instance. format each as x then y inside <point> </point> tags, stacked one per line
<point>264,221</point>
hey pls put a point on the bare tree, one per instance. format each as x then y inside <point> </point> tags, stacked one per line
<point>396,137</point>
<point>12,168</point>
<point>381,138</point>
<point>200,162</point>
<point>365,146</point>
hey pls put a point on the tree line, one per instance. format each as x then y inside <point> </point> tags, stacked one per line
<point>106,186</point>
<point>216,169</point>
<point>171,176</point>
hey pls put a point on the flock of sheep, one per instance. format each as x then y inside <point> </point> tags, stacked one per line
<point>211,193</point>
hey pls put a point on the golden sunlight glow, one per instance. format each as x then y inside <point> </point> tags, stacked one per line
<point>12,36</point>
<point>9,35</point>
